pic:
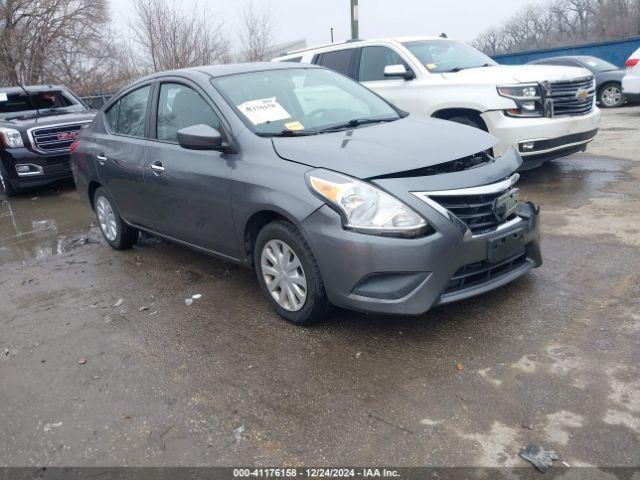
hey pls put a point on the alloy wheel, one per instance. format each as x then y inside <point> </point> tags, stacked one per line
<point>283,275</point>
<point>611,95</point>
<point>106,218</point>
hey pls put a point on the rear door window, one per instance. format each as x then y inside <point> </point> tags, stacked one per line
<point>340,61</point>
<point>129,114</point>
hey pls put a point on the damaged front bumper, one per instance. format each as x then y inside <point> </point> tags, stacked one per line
<point>411,275</point>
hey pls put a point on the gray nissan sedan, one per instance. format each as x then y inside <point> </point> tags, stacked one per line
<point>333,195</point>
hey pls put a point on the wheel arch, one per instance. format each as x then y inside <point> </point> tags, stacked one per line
<point>447,113</point>
<point>91,190</point>
<point>255,223</point>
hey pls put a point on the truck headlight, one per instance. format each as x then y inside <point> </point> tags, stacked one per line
<point>528,98</point>
<point>365,208</point>
<point>11,138</point>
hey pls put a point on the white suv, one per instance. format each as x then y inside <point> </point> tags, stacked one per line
<point>544,111</point>
<point>631,80</point>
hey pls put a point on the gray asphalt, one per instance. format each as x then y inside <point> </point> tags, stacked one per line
<point>550,359</point>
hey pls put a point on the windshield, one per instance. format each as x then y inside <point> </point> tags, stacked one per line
<point>598,65</point>
<point>17,104</point>
<point>301,101</point>
<point>440,56</point>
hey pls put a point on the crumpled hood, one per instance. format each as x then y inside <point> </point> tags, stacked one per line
<point>385,148</point>
<point>505,74</point>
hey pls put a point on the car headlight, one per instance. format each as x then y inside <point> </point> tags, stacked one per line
<point>528,98</point>
<point>365,208</point>
<point>11,138</point>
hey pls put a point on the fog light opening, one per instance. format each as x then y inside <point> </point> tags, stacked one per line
<point>527,146</point>
<point>28,169</point>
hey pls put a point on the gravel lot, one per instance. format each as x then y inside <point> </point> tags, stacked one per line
<point>103,363</point>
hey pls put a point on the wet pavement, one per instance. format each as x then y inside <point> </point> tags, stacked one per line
<point>103,363</point>
<point>41,223</point>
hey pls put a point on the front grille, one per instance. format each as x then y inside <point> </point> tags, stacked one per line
<point>476,211</point>
<point>475,274</point>
<point>55,139</point>
<point>565,99</point>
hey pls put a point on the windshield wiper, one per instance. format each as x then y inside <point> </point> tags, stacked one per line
<point>458,69</point>
<point>290,133</point>
<point>356,122</point>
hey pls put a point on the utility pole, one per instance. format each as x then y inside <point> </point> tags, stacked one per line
<point>331,34</point>
<point>354,20</point>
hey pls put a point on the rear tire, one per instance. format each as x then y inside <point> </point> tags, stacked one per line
<point>5,184</point>
<point>115,231</point>
<point>610,95</point>
<point>289,275</point>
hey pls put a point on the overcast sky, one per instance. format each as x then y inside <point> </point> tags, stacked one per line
<point>312,19</point>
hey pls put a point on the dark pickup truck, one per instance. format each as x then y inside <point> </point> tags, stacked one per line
<point>38,124</point>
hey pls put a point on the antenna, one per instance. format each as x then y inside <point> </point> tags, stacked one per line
<point>33,105</point>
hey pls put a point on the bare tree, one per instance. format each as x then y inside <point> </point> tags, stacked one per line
<point>170,38</point>
<point>562,22</point>
<point>257,31</point>
<point>33,33</point>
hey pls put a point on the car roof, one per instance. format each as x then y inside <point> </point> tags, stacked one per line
<point>360,42</point>
<point>567,57</point>
<point>31,88</point>
<point>224,70</point>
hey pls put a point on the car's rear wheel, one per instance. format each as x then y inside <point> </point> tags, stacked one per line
<point>115,231</point>
<point>289,275</point>
<point>5,184</point>
<point>610,95</point>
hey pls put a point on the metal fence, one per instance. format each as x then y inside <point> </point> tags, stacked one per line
<point>615,51</point>
<point>97,101</point>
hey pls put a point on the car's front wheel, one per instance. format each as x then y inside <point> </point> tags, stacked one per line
<point>289,275</point>
<point>5,184</point>
<point>118,234</point>
<point>610,95</point>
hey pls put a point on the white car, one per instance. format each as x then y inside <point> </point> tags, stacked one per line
<point>544,111</point>
<point>631,80</point>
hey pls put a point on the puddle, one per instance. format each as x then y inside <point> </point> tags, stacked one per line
<point>41,222</point>
<point>572,181</point>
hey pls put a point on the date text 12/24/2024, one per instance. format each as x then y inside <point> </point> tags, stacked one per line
<point>314,473</point>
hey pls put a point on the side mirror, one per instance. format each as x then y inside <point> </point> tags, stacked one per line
<point>200,137</point>
<point>398,71</point>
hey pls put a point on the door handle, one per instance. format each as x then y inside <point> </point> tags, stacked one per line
<point>157,167</point>
<point>101,158</point>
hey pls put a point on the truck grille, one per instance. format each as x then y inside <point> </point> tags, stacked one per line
<point>567,99</point>
<point>482,209</point>
<point>54,139</point>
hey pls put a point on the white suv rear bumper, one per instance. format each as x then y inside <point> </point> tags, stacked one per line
<point>542,137</point>
<point>631,86</point>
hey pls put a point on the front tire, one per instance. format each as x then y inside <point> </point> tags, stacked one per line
<point>289,275</point>
<point>5,184</point>
<point>610,95</point>
<point>118,234</point>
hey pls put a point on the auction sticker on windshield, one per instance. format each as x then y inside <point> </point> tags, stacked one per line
<point>263,110</point>
<point>294,126</point>
<point>3,97</point>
